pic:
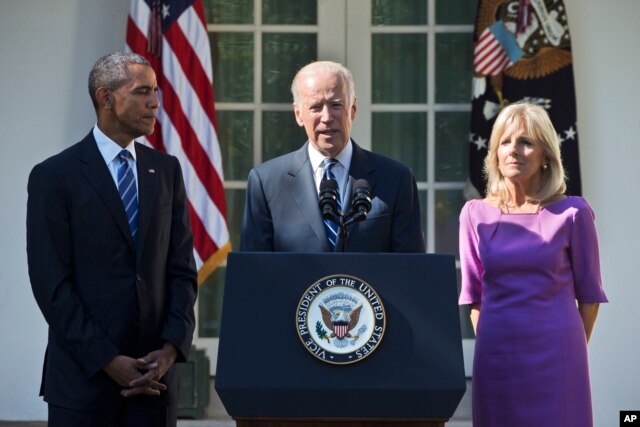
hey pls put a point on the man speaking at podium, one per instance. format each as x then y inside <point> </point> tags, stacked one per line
<point>282,210</point>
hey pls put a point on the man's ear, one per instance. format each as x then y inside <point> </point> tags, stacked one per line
<point>297,113</point>
<point>103,95</point>
<point>354,108</point>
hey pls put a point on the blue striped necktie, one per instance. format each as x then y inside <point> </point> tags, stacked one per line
<point>128,192</point>
<point>330,226</point>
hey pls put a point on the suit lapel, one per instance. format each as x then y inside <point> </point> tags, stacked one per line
<point>97,174</point>
<point>362,167</point>
<point>146,193</point>
<point>302,188</point>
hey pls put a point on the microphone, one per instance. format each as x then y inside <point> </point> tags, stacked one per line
<point>328,199</point>
<point>361,204</point>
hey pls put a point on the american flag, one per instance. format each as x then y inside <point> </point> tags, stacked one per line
<point>172,35</point>
<point>495,50</point>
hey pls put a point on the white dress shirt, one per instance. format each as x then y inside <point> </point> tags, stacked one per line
<point>110,150</point>
<point>340,170</point>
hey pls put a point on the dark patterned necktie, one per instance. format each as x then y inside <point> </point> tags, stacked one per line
<point>128,192</point>
<point>330,226</point>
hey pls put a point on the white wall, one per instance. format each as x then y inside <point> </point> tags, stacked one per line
<point>48,48</point>
<point>606,36</point>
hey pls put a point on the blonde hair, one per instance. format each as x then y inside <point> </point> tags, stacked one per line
<point>538,125</point>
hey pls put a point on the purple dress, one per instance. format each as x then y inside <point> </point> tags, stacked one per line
<point>527,270</point>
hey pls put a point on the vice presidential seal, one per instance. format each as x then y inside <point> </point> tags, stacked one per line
<point>340,319</point>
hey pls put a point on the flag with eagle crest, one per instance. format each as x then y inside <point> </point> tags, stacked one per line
<point>522,51</point>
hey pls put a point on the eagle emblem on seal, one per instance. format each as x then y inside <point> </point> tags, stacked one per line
<point>341,321</point>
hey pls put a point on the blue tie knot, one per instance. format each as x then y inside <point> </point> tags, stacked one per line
<point>124,156</point>
<point>328,164</point>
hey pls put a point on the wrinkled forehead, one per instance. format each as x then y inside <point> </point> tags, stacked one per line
<point>140,76</point>
<point>321,82</point>
<point>141,71</point>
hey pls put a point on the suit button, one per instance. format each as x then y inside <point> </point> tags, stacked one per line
<point>138,278</point>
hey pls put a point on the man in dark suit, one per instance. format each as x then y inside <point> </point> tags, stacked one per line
<point>281,212</point>
<point>110,255</point>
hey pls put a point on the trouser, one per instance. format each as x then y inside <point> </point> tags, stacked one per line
<point>131,413</point>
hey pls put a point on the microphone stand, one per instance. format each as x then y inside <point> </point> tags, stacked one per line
<point>338,218</point>
<point>344,234</point>
<point>345,220</point>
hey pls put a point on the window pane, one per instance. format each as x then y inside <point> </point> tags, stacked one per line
<point>398,12</point>
<point>232,58</point>
<point>455,12</point>
<point>282,55</point>
<point>229,11</point>
<point>399,68</point>
<point>235,209</point>
<point>448,206</point>
<point>452,139</point>
<point>290,12</point>
<point>402,136</point>
<point>210,295</point>
<point>235,132</point>
<point>453,71</point>
<point>280,134</point>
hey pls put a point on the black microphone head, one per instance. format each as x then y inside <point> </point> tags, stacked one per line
<point>328,202</point>
<point>328,184</point>
<point>361,185</point>
<point>361,197</point>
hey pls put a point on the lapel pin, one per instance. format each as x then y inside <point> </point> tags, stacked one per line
<point>152,171</point>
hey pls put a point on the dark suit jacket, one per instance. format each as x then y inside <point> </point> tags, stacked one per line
<point>282,214</point>
<point>99,295</point>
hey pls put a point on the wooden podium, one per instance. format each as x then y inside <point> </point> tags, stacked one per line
<point>266,377</point>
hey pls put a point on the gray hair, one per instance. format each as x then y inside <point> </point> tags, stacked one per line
<point>339,70</point>
<point>111,71</point>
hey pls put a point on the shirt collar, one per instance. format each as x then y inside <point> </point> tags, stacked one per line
<point>343,157</point>
<point>108,147</point>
